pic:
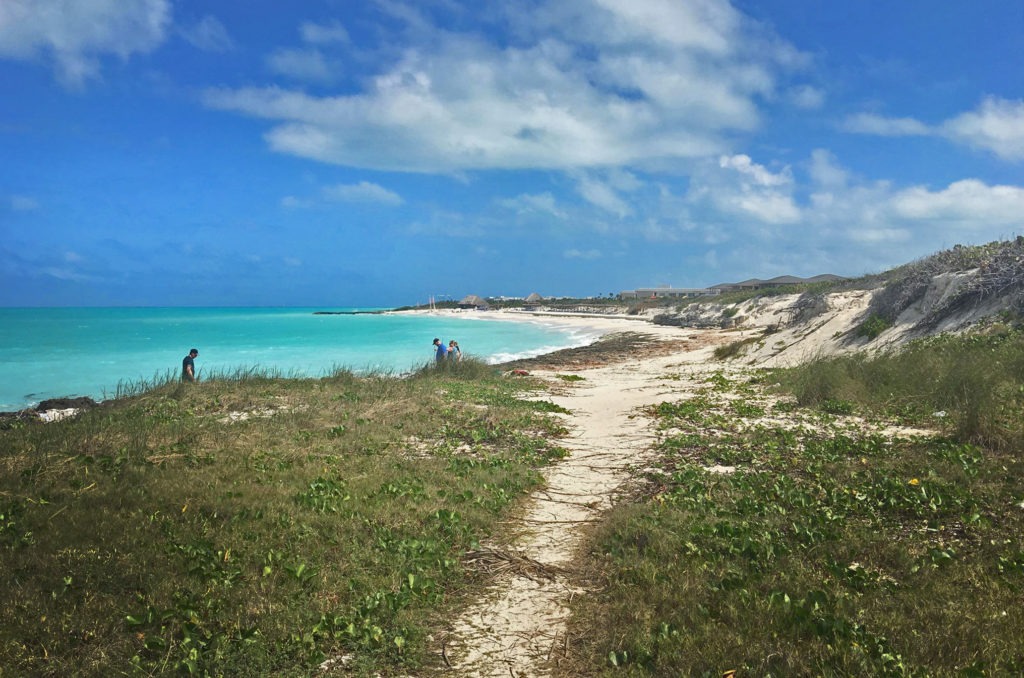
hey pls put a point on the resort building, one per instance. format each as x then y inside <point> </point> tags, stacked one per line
<point>665,292</point>
<point>752,284</point>
<point>779,281</point>
<point>475,302</point>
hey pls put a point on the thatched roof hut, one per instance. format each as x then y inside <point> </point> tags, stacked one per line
<point>473,301</point>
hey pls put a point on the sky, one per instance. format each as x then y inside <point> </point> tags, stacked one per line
<point>379,153</point>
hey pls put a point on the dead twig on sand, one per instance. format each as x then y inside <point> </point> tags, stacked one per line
<point>496,562</point>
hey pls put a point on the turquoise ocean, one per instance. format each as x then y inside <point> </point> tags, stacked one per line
<point>56,352</point>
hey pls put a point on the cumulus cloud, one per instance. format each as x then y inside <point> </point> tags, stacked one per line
<point>364,191</point>
<point>967,202</point>
<point>748,189</point>
<point>997,126</point>
<point>757,173</point>
<point>585,84</point>
<point>209,35</point>
<point>73,36</point>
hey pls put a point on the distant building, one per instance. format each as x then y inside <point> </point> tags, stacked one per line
<point>752,284</point>
<point>475,302</point>
<point>534,300</point>
<point>665,292</point>
<point>779,281</point>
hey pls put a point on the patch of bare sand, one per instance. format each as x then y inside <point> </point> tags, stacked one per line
<point>517,628</point>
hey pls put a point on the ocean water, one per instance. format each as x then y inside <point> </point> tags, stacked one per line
<point>55,352</point>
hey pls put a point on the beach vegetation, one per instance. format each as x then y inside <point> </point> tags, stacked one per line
<point>255,525</point>
<point>734,348</point>
<point>817,542</point>
<point>969,386</point>
<point>872,327</point>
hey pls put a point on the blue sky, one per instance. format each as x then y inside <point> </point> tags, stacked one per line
<point>335,153</point>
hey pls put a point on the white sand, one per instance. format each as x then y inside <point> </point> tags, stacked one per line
<point>520,622</point>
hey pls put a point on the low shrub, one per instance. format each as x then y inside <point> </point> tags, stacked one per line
<point>872,327</point>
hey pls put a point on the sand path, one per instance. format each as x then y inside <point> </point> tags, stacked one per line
<point>519,624</point>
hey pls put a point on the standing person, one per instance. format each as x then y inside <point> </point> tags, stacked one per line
<point>188,366</point>
<point>440,352</point>
<point>454,352</point>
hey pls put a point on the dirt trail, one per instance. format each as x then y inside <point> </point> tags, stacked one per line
<point>519,624</point>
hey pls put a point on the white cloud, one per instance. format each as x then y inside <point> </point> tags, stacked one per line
<point>997,126</point>
<point>869,123</point>
<point>760,175</point>
<point>364,191</point>
<point>624,180</point>
<point>602,195</point>
<point>705,25</point>
<point>544,203</point>
<point>825,170</point>
<point>585,84</point>
<point>582,254</point>
<point>969,203</point>
<point>293,262</point>
<point>748,189</point>
<point>320,34</point>
<point>74,35</point>
<point>209,35</point>
<point>807,97</point>
<point>302,64</point>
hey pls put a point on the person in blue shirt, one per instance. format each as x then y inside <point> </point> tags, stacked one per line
<point>440,350</point>
<point>188,366</point>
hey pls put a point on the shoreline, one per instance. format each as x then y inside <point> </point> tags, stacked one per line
<point>598,323</point>
<point>591,327</point>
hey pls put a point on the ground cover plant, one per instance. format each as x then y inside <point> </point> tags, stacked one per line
<point>259,526</point>
<point>778,540</point>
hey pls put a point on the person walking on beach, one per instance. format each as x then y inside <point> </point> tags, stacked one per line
<point>440,352</point>
<point>188,366</point>
<point>454,352</point>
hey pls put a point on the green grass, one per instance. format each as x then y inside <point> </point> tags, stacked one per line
<point>156,536</point>
<point>830,551</point>
<point>972,385</point>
